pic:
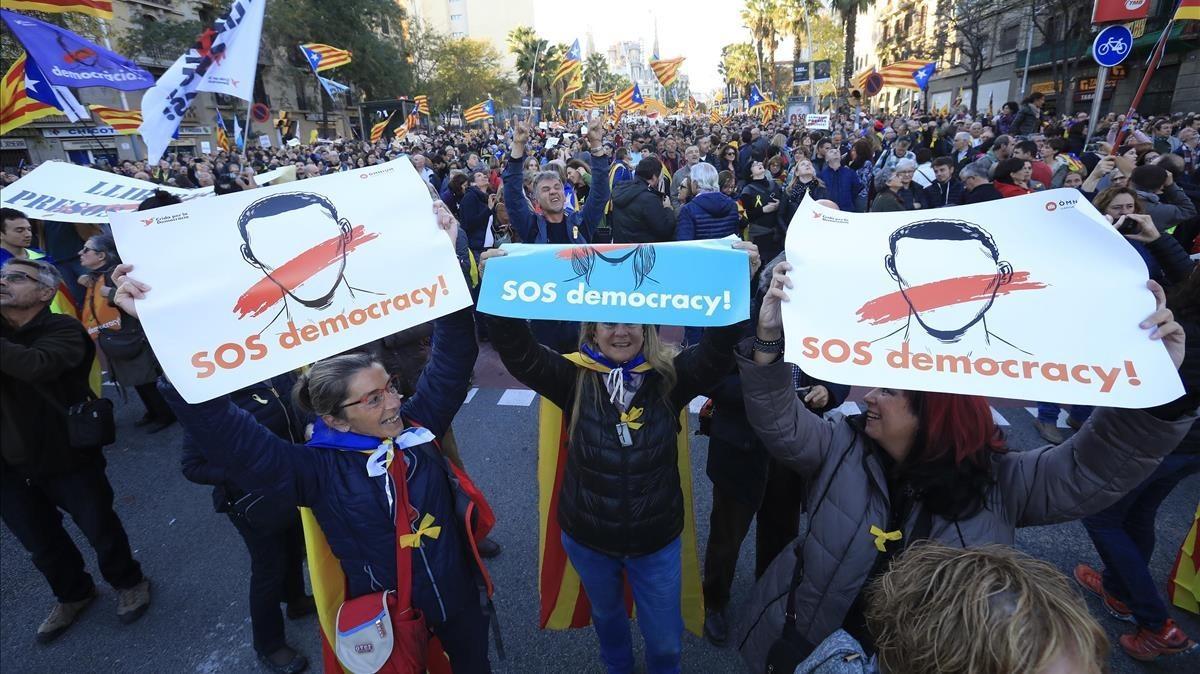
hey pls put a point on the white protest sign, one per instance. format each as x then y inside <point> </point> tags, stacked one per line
<point>291,274</point>
<point>205,146</point>
<point>264,142</point>
<point>816,121</point>
<point>293,142</point>
<point>1034,297</point>
<point>71,193</point>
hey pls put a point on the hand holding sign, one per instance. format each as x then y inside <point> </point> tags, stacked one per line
<point>1165,327</point>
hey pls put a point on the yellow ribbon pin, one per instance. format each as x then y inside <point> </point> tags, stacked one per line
<point>881,537</point>
<point>631,417</point>
<point>413,540</point>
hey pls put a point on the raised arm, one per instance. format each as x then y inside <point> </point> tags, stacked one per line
<point>444,382</point>
<point>593,209</point>
<point>533,364</point>
<point>513,177</point>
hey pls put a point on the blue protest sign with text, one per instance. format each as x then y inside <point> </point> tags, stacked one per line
<point>690,283</point>
<point>1112,45</point>
<point>68,60</point>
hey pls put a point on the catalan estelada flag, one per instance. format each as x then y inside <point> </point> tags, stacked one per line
<point>323,57</point>
<point>564,603</point>
<point>401,131</point>
<point>574,84</point>
<point>16,107</point>
<point>377,129</point>
<point>222,133</point>
<point>1188,9</point>
<point>666,70</point>
<point>413,120</point>
<point>101,9</point>
<point>422,102</point>
<point>571,62</point>
<point>124,122</point>
<point>479,112</point>
<point>900,75</point>
<point>630,98</point>
<point>600,100</point>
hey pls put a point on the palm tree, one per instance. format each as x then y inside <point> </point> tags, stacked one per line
<point>595,71</point>
<point>798,14</point>
<point>849,11</point>
<point>533,54</point>
<point>738,66</point>
<point>766,19</point>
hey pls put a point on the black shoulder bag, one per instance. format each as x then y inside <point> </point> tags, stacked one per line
<point>791,648</point>
<point>90,424</point>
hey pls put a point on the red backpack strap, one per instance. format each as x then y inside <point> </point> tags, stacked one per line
<point>397,469</point>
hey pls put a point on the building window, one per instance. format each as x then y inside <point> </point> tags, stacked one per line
<point>456,17</point>
<point>1008,38</point>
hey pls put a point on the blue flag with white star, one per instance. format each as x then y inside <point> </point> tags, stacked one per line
<point>756,97</point>
<point>923,74</point>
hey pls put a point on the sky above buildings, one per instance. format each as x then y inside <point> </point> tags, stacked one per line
<point>696,29</point>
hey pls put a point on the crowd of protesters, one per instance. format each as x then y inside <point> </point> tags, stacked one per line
<point>931,465</point>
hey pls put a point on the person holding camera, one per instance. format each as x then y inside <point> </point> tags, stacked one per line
<point>45,361</point>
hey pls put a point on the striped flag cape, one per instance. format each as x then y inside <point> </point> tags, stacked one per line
<point>16,107</point>
<point>377,129</point>
<point>900,75</point>
<point>422,102</point>
<point>1188,9</point>
<point>401,131</point>
<point>574,84</point>
<point>571,62</point>
<point>629,99</point>
<point>124,122</point>
<point>564,604</point>
<point>479,112</point>
<point>666,70</point>
<point>323,57</point>
<point>714,116</point>
<point>101,9</point>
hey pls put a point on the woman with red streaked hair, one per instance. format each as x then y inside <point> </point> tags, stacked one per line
<point>918,466</point>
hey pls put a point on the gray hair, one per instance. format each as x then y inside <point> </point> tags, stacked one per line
<point>963,135</point>
<point>104,243</point>
<point>704,176</point>
<point>906,164</point>
<point>976,169</point>
<point>45,273</point>
<point>882,177</point>
<point>327,383</point>
<point>1002,140</point>
<point>542,176</point>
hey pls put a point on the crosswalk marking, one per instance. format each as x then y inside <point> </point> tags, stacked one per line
<point>696,404</point>
<point>471,395</point>
<point>999,418</point>
<point>517,397</point>
<point>1062,416</point>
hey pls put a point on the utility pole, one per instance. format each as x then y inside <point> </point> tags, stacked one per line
<point>1029,45</point>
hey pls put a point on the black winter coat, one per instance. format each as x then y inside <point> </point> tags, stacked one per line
<point>620,501</point>
<point>47,359</point>
<point>982,193</point>
<point>755,195</point>
<point>638,214</point>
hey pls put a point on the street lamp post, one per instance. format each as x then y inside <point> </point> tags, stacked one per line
<point>1029,44</point>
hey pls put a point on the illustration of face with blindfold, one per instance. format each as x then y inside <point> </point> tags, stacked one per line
<point>299,243</point>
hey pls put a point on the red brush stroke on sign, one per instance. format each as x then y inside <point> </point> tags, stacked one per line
<point>928,296</point>
<point>265,293</point>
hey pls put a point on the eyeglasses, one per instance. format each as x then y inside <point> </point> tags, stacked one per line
<point>18,277</point>
<point>374,399</point>
<point>91,250</point>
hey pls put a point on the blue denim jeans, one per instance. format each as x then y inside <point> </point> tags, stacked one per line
<point>1048,412</point>
<point>656,580</point>
<point>1123,534</point>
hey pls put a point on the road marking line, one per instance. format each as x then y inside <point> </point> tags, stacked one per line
<point>517,397</point>
<point>999,418</point>
<point>471,395</point>
<point>696,404</point>
<point>1062,416</point>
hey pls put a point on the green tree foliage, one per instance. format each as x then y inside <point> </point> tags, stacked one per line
<point>739,66</point>
<point>465,72</point>
<point>595,72</point>
<point>849,11</point>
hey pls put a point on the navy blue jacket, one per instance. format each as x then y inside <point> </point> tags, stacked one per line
<point>474,213</point>
<point>843,185</point>
<point>939,194</point>
<point>709,215</point>
<point>352,507</point>
<point>580,225</point>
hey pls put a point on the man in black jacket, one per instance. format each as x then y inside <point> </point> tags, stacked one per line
<point>45,360</point>
<point>641,210</point>
<point>976,186</point>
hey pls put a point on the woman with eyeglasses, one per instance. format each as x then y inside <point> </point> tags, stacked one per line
<point>343,475</point>
<point>620,502</point>
<point>118,334</point>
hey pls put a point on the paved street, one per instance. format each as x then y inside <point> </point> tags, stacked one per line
<point>199,620</point>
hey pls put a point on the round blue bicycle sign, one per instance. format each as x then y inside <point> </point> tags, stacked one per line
<point>1112,45</point>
